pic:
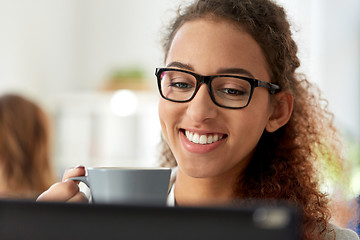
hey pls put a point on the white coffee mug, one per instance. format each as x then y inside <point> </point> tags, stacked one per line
<point>127,185</point>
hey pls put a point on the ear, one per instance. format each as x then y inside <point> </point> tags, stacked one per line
<point>281,112</point>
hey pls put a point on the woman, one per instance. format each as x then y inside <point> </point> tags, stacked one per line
<point>237,121</point>
<point>25,165</point>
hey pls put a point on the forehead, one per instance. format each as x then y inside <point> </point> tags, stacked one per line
<point>215,44</point>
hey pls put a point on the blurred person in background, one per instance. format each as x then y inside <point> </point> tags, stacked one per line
<point>25,164</point>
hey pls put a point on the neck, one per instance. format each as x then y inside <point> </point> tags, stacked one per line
<point>203,191</point>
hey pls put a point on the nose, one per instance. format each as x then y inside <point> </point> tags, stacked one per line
<point>201,107</point>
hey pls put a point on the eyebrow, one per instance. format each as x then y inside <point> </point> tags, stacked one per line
<point>180,65</point>
<point>239,71</point>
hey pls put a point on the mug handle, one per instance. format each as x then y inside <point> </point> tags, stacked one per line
<point>83,179</point>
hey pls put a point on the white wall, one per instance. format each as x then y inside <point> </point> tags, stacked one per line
<point>37,48</point>
<point>63,45</point>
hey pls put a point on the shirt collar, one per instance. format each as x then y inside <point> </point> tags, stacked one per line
<point>171,197</point>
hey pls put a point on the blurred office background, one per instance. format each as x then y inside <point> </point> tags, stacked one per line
<point>91,64</point>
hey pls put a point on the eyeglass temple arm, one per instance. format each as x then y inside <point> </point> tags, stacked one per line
<point>272,87</point>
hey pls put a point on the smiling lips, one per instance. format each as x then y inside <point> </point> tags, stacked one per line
<point>201,143</point>
<point>203,139</point>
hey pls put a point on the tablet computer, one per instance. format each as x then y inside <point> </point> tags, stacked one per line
<point>35,220</point>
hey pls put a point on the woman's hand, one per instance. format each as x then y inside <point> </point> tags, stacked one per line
<point>66,191</point>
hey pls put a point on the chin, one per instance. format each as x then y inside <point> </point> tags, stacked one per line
<point>199,171</point>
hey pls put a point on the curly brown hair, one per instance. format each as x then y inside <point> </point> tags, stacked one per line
<point>287,163</point>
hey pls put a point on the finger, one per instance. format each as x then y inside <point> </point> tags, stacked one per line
<point>60,192</point>
<point>74,172</point>
<point>79,197</point>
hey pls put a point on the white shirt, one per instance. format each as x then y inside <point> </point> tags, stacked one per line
<point>171,197</point>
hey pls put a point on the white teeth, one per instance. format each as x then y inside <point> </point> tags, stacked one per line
<point>195,138</point>
<point>202,139</point>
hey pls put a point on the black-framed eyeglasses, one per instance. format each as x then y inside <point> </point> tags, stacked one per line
<point>228,91</point>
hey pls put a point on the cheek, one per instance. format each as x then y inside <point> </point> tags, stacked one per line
<point>260,107</point>
<point>245,135</point>
<point>250,124</point>
<point>168,116</point>
<point>162,118</point>
<point>247,126</point>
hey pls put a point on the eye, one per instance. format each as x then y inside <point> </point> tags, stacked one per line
<point>232,91</point>
<point>178,81</point>
<point>229,88</point>
<point>180,85</point>
<point>177,85</point>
